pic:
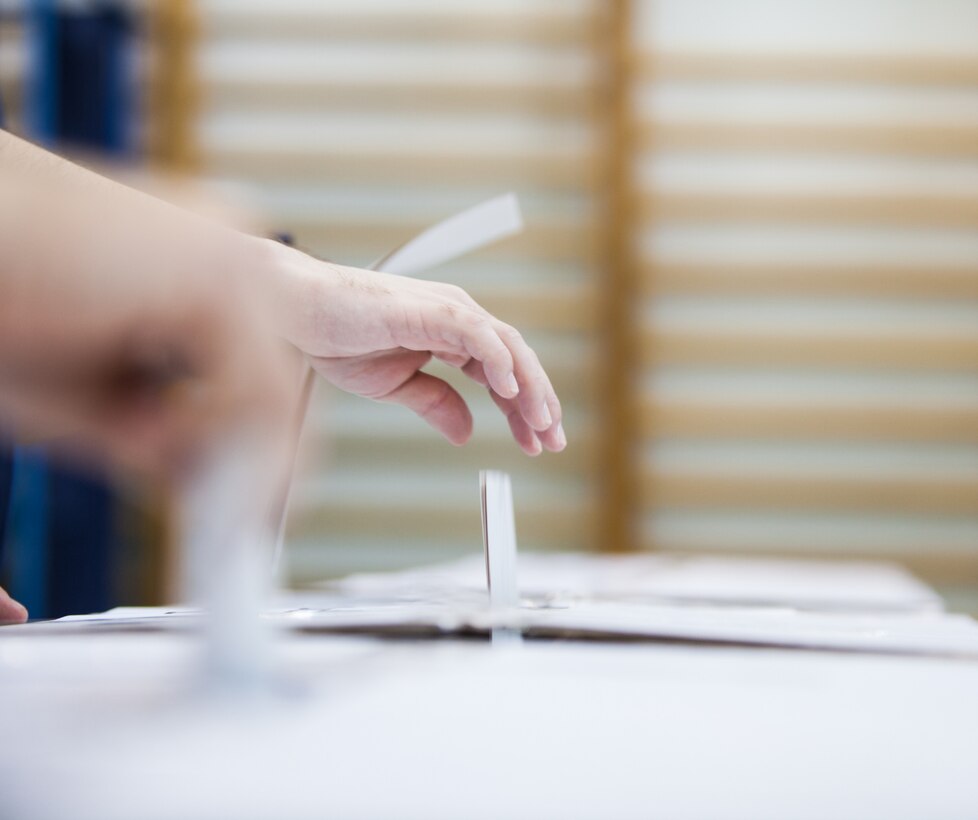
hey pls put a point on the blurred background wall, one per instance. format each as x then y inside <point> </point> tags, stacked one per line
<point>807,197</point>
<point>751,260</point>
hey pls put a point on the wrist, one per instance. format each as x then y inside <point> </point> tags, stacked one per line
<point>294,287</point>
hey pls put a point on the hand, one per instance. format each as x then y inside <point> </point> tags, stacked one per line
<point>372,333</point>
<point>10,610</point>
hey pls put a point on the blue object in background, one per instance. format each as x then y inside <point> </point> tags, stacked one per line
<point>6,481</point>
<point>27,562</point>
<point>6,463</point>
<point>6,470</point>
<point>84,544</point>
<point>62,536</point>
<point>81,88</point>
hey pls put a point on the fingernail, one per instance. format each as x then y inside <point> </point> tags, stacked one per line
<point>561,438</point>
<point>513,386</point>
<point>545,415</point>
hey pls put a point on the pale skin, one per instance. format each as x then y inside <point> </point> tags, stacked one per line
<point>134,331</point>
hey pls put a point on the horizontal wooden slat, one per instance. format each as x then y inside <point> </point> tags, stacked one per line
<point>552,169</point>
<point>903,139</point>
<point>925,210</point>
<point>796,279</point>
<point>554,241</point>
<point>536,523</point>
<point>665,418</point>
<point>842,350</point>
<point>551,308</point>
<point>540,27</point>
<point>698,490</point>
<point>889,70</point>
<point>931,565</point>
<point>395,94</point>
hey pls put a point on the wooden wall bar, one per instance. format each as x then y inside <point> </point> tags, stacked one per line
<point>619,471</point>
<point>928,70</point>
<point>754,420</point>
<point>918,140</point>
<point>174,87</point>
<point>902,237</point>
<point>737,278</point>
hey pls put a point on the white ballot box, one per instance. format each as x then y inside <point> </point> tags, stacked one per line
<point>684,704</point>
<point>98,726</point>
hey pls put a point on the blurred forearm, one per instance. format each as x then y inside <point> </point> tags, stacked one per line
<point>108,298</point>
<point>61,225</point>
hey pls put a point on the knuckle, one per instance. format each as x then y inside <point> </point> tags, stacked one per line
<point>510,333</point>
<point>457,293</point>
<point>502,357</point>
<point>437,400</point>
<point>475,319</point>
<point>461,295</point>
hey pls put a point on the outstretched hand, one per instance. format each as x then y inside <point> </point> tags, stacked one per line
<point>144,331</point>
<point>372,333</point>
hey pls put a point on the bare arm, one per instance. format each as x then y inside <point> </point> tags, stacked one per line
<point>124,321</point>
<point>82,257</point>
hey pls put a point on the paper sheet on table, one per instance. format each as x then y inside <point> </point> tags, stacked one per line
<point>920,633</point>
<point>468,613</point>
<point>664,577</point>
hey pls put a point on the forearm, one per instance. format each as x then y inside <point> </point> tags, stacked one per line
<point>108,295</point>
<point>84,257</point>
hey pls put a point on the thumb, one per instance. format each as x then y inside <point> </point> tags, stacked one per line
<point>10,610</point>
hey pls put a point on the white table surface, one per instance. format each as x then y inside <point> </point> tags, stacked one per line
<point>111,726</point>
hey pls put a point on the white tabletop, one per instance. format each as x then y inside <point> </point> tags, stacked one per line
<point>111,726</point>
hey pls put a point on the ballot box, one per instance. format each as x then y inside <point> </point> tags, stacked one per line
<point>643,686</point>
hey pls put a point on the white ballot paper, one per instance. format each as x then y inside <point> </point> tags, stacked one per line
<point>499,545</point>
<point>499,539</point>
<point>668,578</point>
